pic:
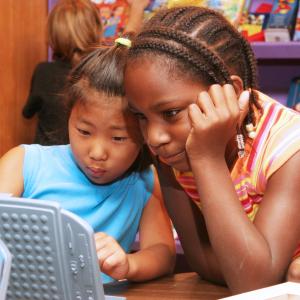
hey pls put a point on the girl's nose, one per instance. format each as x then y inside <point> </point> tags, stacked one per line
<point>98,152</point>
<point>156,136</point>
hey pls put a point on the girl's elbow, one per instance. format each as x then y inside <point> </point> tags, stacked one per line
<point>170,259</point>
<point>258,280</point>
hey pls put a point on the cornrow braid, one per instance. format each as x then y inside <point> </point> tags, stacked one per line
<point>180,54</point>
<point>191,44</point>
<point>190,21</point>
<point>164,16</point>
<point>171,20</point>
<point>249,78</point>
<point>201,43</point>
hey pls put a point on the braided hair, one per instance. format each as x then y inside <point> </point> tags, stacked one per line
<point>199,42</point>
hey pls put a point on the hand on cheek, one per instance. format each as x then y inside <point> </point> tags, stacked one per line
<point>113,260</point>
<point>214,118</point>
<point>243,106</point>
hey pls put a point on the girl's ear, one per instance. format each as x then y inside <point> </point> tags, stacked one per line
<point>237,84</point>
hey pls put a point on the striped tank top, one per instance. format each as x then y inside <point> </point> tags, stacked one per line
<point>277,139</point>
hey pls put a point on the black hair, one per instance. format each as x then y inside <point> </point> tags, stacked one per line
<point>200,43</point>
<point>102,71</point>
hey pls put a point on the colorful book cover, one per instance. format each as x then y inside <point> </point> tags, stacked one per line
<point>252,27</point>
<point>282,20</point>
<point>114,13</point>
<point>174,3</point>
<point>296,37</point>
<point>114,16</point>
<point>153,7</point>
<point>232,10</point>
<point>254,19</point>
<point>294,93</point>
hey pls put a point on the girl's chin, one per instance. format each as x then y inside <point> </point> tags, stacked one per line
<point>182,166</point>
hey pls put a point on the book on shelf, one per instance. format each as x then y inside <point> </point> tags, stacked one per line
<point>153,7</point>
<point>232,10</point>
<point>114,16</point>
<point>114,13</point>
<point>296,37</point>
<point>281,23</point>
<point>294,93</point>
<point>254,19</point>
<point>174,3</point>
<point>258,20</point>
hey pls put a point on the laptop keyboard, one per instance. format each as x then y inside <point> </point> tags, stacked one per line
<point>53,251</point>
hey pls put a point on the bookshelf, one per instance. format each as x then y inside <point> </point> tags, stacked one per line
<point>278,63</point>
<point>267,50</point>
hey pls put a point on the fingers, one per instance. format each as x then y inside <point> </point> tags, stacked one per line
<point>222,99</point>
<point>195,115</point>
<point>109,252</point>
<point>218,102</point>
<point>218,96</point>
<point>218,99</point>
<point>205,103</point>
<point>231,98</point>
<point>243,103</point>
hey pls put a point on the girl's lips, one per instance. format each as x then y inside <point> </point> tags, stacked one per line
<point>173,158</point>
<point>96,171</point>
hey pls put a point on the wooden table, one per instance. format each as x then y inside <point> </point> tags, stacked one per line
<point>183,286</point>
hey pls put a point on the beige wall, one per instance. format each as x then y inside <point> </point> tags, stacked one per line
<point>22,46</point>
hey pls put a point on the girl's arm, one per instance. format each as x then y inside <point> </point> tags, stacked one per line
<point>136,15</point>
<point>11,172</point>
<point>156,256</point>
<point>33,105</point>
<point>190,226</point>
<point>251,255</point>
<point>34,101</point>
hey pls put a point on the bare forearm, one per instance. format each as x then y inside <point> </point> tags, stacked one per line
<point>235,240</point>
<point>135,19</point>
<point>150,263</point>
<point>190,226</point>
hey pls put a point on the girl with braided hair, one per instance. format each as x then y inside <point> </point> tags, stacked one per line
<point>227,155</point>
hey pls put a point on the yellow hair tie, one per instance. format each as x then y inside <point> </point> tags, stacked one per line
<point>123,41</point>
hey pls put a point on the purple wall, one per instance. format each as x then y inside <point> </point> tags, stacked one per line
<point>50,5</point>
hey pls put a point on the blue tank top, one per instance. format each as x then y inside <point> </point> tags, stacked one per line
<point>51,173</point>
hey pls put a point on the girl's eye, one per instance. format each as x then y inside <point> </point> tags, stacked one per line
<point>83,132</point>
<point>171,113</point>
<point>119,138</point>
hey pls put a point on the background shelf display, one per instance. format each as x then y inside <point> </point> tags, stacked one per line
<point>278,64</point>
<point>268,50</point>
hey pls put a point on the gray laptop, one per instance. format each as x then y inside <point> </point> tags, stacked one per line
<point>53,252</point>
<point>5,265</point>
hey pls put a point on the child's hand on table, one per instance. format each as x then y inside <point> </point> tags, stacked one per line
<point>113,261</point>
